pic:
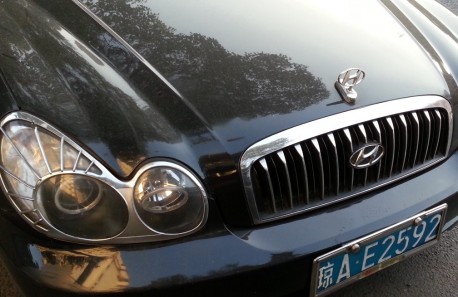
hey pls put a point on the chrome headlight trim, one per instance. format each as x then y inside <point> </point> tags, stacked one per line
<point>189,174</point>
<point>134,231</point>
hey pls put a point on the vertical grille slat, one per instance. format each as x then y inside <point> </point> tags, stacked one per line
<point>319,181</point>
<point>276,183</point>
<point>303,170</point>
<point>404,144</point>
<point>438,131</point>
<point>378,138</point>
<point>428,131</point>
<point>287,194</point>
<point>295,176</point>
<point>416,137</point>
<point>326,161</point>
<point>392,145</point>
<point>335,175</point>
<point>311,172</point>
<point>318,171</point>
<point>364,172</point>
<point>264,166</point>
<point>348,138</point>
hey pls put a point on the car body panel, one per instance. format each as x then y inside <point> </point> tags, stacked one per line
<point>201,91</point>
<point>249,105</point>
<point>233,257</point>
<point>274,69</point>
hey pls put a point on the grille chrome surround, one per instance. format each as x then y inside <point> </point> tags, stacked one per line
<point>295,165</point>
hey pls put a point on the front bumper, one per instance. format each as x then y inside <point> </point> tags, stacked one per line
<point>270,260</point>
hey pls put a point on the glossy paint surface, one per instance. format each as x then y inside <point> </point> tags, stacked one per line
<point>223,84</point>
<point>218,258</point>
<point>240,76</point>
<point>230,77</point>
<point>253,74</point>
<point>69,82</point>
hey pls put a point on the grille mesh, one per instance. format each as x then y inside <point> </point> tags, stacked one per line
<point>317,171</point>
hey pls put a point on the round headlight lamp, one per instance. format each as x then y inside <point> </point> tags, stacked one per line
<point>75,194</point>
<point>62,191</point>
<point>81,206</point>
<point>169,199</point>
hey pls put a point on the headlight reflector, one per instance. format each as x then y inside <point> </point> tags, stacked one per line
<point>169,199</point>
<point>82,206</point>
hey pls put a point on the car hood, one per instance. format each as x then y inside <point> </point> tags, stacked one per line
<point>252,68</point>
<point>200,81</point>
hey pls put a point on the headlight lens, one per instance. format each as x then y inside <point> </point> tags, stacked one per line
<point>169,200</point>
<point>73,194</point>
<point>64,192</point>
<point>82,206</point>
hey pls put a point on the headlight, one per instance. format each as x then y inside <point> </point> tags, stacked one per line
<point>64,192</point>
<point>169,200</point>
<point>81,206</point>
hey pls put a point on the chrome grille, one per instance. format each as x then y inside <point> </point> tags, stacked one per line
<point>313,172</point>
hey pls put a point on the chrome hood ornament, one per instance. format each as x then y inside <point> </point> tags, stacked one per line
<point>346,81</point>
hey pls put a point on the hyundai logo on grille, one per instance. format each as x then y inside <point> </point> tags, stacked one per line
<point>367,156</point>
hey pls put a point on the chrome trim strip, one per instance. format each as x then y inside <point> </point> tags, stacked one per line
<point>263,163</point>
<point>317,147</point>
<point>417,133</point>
<point>336,156</point>
<point>363,132</point>
<point>282,157</point>
<point>62,142</point>
<point>350,143</point>
<point>89,167</point>
<point>28,211</point>
<point>37,221</point>
<point>428,139</point>
<point>379,139</point>
<point>393,139</point>
<point>439,128</point>
<point>406,139</point>
<point>19,196</point>
<point>42,151</point>
<point>331,123</point>
<point>77,161</point>
<point>16,178</point>
<point>300,152</point>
